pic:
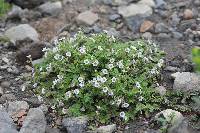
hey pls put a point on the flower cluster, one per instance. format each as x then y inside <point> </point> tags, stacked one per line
<point>99,76</point>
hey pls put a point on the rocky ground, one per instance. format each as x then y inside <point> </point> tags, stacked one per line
<point>30,26</point>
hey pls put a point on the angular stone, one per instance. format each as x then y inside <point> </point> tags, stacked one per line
<point>145,26</point>
<point>161,28</point>
<point>6,123</point>
<point>135,9</point>
<point>16,106</point>
<point>107,129</point>
<point>87,17</point>
<point>168,113</point>
<point>35,122</point>
<point>150,3</point>
<point>186,81</point>
<point>51,8</point>
<point>27,3</point>
<point>188,14</point>
<point>75,124</point>
<point>22,32</point>
<point>7,97</point>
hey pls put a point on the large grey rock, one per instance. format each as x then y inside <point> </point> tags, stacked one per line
<point>107,129</point>
<point>16,106</point>
<point>6,123</point>
<point>171,116</point>
<point>35,122</point>
<point>51,8</point>
<point>22,32</point>
<point>75,124</point>
<point>135,9</point>
<point>87,17</point>
<point>150,3</point>
<point>27,3</point>
<point>186,81</point>
<point>7,97</point>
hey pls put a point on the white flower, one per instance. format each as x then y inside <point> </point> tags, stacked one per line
<point>86,62</point>
<point>68,94</point>
<point>82,109</point>
<point>146,59</point>
<point>99,78</point>
<point>96,84</point>
<point>45,49</point>
<point>105,89</point>
<point>103,80</point>
<point>127,50</point>
<point>43,91</point>
<point>57,57</point>
<point>95,63</point>
<point>56,42</point>
<point>76,91</point>
<point>82,50</point>
<point>110,93</point>
<point>141,98</point>
<point>55,49</point>
<point>134,48</point>
<point>153,71</point>
<point>49,68</point>
<point>82,84</point>
<point>100,48</point>
<point>119,101</point>
<point>138,85</point>
<point>120,64</point>
<point>35,85</point>
<point>139,55</point>
<point>133,61</point>
<point>55,82</point>
<point>40,98</point>
<point>110,66</point>
<point>68,54</point>
<point>53,107</point>
<point>80,79</point>
<point>114,79</point>
<point>64,111</point>
<point>104,71</point>
<point>125,105</point>
<point>23,88</point>
<point>60,77</point>
<point>112,60</point>
<point>122,114</point>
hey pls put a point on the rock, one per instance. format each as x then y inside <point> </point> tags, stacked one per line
<point>151,131</point>
<point>34,49</point>
<point>175,20</point>
<point>52,130</point>
<point>87,17</point>
<point>115,2</point>
<point>7,97</point>
<point>135,22</point>
<point>147,35</point>
<point>16,106</point>
<point>22,32</point>
<point>5,84</point>
<point>51,8</point>
<point>146,25</point>
<point>27,3</point>
<point>75,124</point>
<point>33,101</point>
<point>135,9</point>
<point>182,127</point>
<point>188,14</point>
<point>186,81</point>
<point>96,29</point>
<point>13,70</point>
<point>107,129</point>
<point>171,116</point>
<point>1,91</point>
<point>150,3</point>
<point>113,32</point>
<point>34,122</point>
<point>161,90</point>
<point>38,61</point>
<point>6,123</point>
<point>15,12</point>
<point>114,17</point>
<point>44,108</point>
<point>161,28</point>
<point>177,35</point>
<point>160,4</point>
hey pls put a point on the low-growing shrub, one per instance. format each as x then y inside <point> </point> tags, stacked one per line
<point>196,57</point>
<point>101,77</point>
<point>4,7</point>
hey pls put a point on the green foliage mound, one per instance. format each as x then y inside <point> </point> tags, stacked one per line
<point>100,76</point>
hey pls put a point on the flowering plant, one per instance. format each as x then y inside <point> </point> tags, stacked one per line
<point>100,76</point>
